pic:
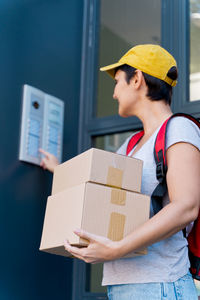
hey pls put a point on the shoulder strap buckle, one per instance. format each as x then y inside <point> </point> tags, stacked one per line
<point>160,171</point>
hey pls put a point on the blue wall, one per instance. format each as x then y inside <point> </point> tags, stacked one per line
<point>40,44</point>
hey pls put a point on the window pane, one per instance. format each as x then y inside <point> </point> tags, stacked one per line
<point>194,50</point>
<point>124,23</point>
<point>111,142</point>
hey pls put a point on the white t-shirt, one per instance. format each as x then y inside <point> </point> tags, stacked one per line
<point>166,260</point>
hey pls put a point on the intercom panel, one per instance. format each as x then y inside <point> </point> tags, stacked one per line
<point>41,125</point>
<point>53,126</point>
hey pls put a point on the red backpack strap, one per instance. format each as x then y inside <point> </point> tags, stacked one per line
<point>160,152</point>
<point>161,162</point>
<point>133,141</point>
<point>160,143</point>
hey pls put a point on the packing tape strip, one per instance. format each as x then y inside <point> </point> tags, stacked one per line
<point>118,197</point>
<point>116,226</point>
<point>114,177</point>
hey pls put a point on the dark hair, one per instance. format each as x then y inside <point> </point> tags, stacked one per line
<point>157,88</point>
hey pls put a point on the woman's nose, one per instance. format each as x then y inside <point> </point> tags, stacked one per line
<point>114,95</point>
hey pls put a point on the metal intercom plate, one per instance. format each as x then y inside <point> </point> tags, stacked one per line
<point>41,125</point>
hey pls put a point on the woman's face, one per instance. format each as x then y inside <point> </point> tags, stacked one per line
<point>124,94</point>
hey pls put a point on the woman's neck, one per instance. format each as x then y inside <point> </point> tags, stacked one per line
<point>153,115</point>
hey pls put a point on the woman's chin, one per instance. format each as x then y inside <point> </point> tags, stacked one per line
<point>123,114</point>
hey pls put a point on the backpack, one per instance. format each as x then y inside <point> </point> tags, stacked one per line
<point>161,169</point>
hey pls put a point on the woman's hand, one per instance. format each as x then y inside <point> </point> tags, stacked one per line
<point>100,249</point>
<point>49,162</point>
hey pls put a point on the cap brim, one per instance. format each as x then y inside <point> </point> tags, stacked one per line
<point>111,68</point>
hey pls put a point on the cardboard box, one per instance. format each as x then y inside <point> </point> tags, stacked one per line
<point>98,209</point>
<point>99,166</point>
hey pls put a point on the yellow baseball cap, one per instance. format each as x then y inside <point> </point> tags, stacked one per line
<point>150,59</point>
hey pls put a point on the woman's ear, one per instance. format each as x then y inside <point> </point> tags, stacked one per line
<point>138,79</point>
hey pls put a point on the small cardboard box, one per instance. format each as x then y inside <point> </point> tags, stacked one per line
<point>99,166</point>
<point>98,209</point>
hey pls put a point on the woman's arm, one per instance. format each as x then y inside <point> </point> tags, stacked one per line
<point>183,178</point>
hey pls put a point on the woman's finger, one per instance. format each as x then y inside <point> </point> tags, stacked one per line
<point>44,152</point>
<point>73,250</point>
<point>86,235</point>
<point>42,164</point>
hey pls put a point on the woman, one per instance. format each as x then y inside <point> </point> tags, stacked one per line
<point>144,78</point>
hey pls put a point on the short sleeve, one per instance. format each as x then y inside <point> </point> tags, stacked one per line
<point>181,129</point>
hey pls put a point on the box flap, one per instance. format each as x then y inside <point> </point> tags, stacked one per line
<point>63,215</point>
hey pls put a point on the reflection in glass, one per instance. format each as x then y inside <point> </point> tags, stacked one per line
<point>194,50</point>
<point>123,24</point>
<point>111,142</point>
<point>94,278</point>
